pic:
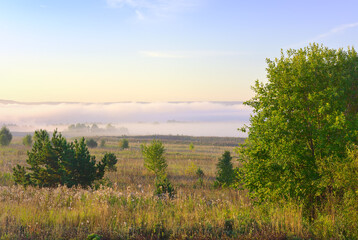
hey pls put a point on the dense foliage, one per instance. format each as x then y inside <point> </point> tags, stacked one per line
<point>303,126</point>
<point>5,136</point>
<point>110,160</point>
<point>54,162</point>
<point>225,170</point>
<point>154,159</point>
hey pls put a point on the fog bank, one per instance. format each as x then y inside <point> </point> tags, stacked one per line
<point>183,118</point>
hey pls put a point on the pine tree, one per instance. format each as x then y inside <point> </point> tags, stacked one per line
<point>155,161</point>
<point>225,170</point>
<point>55,162</point>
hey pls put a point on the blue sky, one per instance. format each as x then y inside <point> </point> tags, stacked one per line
<point>156,50</point>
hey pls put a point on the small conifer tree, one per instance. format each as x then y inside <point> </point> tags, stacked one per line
<point>225,170</point>
<point>200,174</point>
<point>155,161</point>
<point>110,160</point>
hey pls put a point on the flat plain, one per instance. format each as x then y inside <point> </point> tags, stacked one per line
<point>123,206</point>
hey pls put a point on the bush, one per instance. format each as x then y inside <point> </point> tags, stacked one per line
<point>5,136</point>
<point>55,162</point>
<point>27,140</point>
<point>304,119</point>
<point>123,144</point>
<point>103,143</point>
<point>91,143</point>
<point>225,171</point>
<point>199,173</point>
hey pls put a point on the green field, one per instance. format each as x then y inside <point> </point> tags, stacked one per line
<point>124,206</point>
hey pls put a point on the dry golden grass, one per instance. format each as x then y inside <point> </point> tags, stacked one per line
<point>127,209</point>
<point>64,213</point>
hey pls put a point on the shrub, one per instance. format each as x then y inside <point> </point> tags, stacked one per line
<point>103,143</point>
<point>123,143</point>
<point>91,143</point>
<point>163,186</point>
<point>5,136</point>
<point>27,140</point>
<point>55,162</point>
<point>200,174</point>
<point>191,168</point>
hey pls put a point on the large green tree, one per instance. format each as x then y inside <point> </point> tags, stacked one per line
<point>55,162</point>
<point>304,119</point>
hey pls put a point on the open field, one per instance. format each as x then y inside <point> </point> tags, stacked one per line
<point>125,208</point>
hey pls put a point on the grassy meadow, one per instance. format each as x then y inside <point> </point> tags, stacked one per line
<point>123,206</point>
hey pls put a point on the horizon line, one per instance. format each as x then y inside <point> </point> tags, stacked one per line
<point>5,101</point>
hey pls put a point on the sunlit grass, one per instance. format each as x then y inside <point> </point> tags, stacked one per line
<point>62,213</point>
<point>127,209</point>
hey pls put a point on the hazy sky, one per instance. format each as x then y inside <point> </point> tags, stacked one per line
<point>156,50</point>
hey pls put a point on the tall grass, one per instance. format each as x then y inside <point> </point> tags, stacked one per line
<point>125,208</point>
<point>64,213</point>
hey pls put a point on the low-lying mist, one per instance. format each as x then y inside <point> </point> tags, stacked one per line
<point>128,118</point>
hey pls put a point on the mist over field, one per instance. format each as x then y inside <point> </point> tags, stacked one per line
<point>130,118</point>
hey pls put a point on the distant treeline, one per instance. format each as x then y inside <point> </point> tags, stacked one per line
<point>94,128</point>
<point>215,141</point>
